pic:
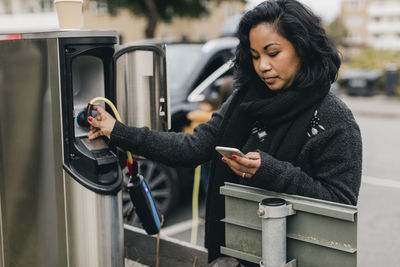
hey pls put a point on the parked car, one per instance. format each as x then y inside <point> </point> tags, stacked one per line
<point>193,70</point>
<point>358,82</point>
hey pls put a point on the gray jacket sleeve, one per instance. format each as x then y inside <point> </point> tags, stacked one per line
<point>173,149</point>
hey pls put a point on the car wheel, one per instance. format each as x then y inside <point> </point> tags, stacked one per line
<point>162,182</point>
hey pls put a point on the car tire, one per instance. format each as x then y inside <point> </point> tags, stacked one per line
<point>164,187</point>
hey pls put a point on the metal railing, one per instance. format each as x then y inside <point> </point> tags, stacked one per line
<point>321,233</point>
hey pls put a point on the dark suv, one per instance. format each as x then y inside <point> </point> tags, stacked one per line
<point>193,71</point>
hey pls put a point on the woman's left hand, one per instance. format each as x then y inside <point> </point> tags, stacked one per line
<point>244,167</point>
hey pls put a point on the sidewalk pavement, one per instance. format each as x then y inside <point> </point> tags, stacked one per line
<point>130,263</point>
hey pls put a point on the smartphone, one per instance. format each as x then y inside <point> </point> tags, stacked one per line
<point>229,151</point>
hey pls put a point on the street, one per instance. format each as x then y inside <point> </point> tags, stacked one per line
<point>379,210</point>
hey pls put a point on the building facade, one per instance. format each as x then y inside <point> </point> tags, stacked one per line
<point>25,6</point>
<point>384,24</point>
<point>355,17</point>
<point>374,23</point>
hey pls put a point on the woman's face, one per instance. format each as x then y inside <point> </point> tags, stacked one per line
<point>274,58</point>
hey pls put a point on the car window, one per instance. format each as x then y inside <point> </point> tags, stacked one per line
<point>181,59</point>
<point>210,86</point>
<point>217,61</point>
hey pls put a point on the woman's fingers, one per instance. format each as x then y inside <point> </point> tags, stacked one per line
<point>94,123</point>
<point>250,161</point>
<point>253,155</point>
<point>101,112</point>
<point>98,108</point>
<point>241,165</point>
<point>102,122</point>
<point>93,134</point>
<point>235,165</point>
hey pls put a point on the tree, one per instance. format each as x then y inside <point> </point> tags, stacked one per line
<point>337,31</point>
<point>370,58</point>
<point>155,11</point>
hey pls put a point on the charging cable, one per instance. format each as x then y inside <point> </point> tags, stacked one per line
<point>137,187</point>
<point>195,205</point>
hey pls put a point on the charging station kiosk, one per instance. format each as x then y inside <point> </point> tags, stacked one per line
<point>60,194</point>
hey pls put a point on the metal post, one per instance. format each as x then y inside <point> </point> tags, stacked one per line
<point>273,212</point>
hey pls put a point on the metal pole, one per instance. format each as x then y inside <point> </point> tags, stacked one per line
<point>273,212</point>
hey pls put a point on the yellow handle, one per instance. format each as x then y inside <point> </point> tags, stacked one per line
<point>195,205</point>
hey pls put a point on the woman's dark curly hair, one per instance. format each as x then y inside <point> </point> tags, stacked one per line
<point>319,58</point>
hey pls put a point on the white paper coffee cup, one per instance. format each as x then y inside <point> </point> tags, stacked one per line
<point>69,14</point>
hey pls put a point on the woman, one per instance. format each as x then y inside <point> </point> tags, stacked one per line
<point>299,138</point>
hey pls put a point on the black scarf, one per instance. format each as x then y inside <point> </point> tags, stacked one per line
<point>286,115</point>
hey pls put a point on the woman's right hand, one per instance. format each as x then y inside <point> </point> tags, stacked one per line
<point>100,125</point>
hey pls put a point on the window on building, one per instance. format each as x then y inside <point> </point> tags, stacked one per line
<point>354,38</point>
<point>353,4</point>
<point>99,8</point>
<point>47,5</point>
<point>354,21</point>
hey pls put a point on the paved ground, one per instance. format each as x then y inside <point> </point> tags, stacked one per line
<point>129,263</point>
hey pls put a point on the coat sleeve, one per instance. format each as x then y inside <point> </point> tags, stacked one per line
<point>334,157</point>
<point>171,148</point>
